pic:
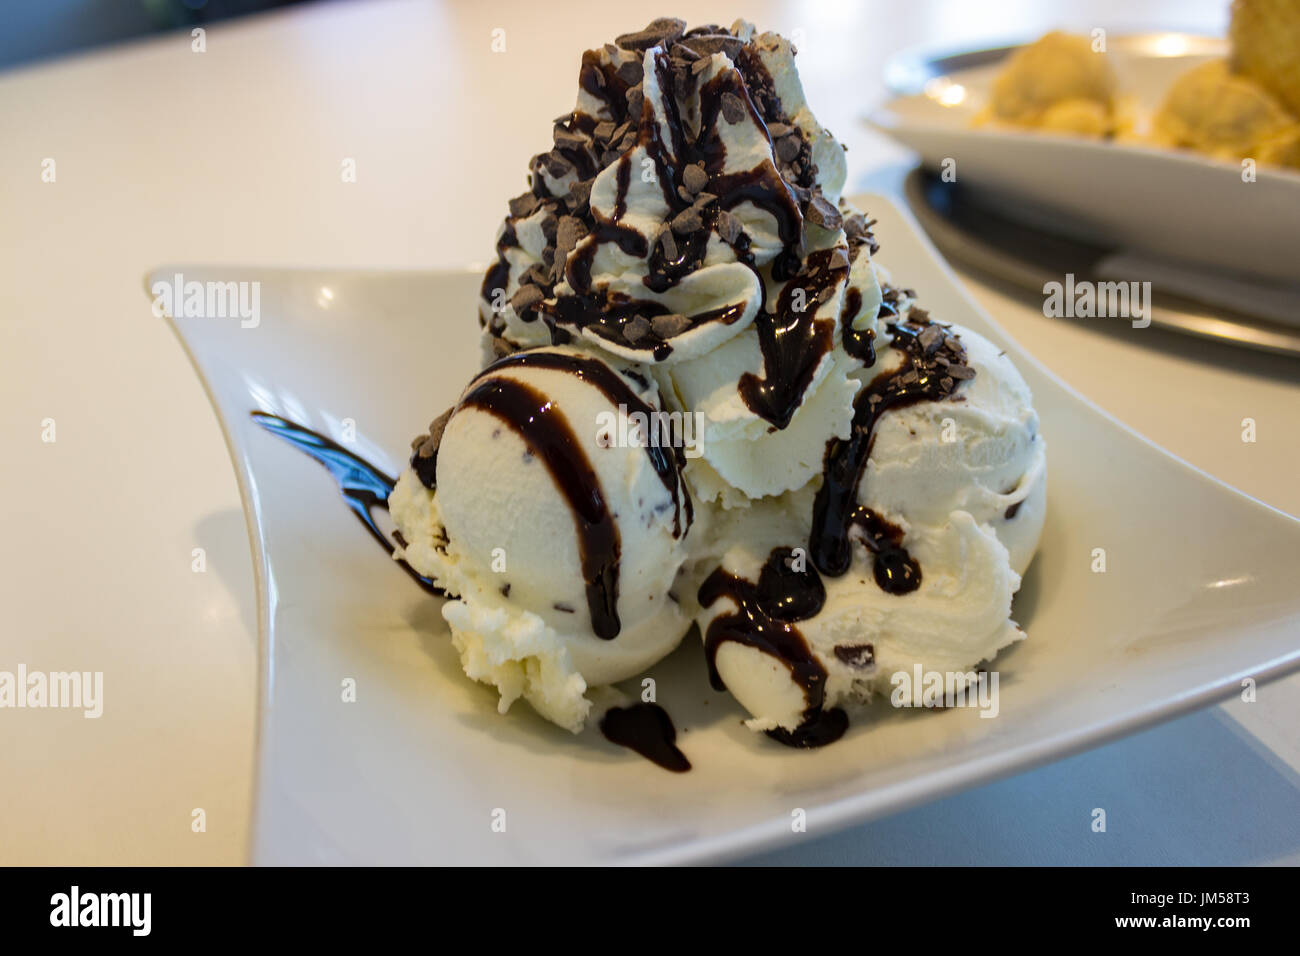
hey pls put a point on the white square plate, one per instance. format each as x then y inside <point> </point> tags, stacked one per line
<point>1199,592</point>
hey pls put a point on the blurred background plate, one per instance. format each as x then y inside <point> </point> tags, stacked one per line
<point>975,235</point>
<point>1174,208</point>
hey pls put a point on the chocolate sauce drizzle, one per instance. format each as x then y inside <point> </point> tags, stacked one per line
<point>922,376</point>
<point>895,571</point>
<point>667,462</point>
<point>647,729</point>
<point>765,618</point>
<point>792,341</point>
<point>860,343</point>
<point>363,486</point>
<point>541,424</point>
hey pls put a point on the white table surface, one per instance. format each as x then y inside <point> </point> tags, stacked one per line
<point>234,156</point>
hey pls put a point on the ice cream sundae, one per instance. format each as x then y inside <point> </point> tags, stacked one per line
<point>863,483</point>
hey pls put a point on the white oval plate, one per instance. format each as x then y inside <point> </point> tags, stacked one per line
<point>1172,204</point>
<point>1199,592</point>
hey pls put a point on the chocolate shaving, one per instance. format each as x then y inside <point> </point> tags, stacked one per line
<point>556,165</point>
<point>549,222</point>
<point>858,229</point>
<point>660,32</point>
<point>733,108</point>
<point>635,102</point>
<point>687,221</point>
<point>527,297</point>
<point>631,72</point>
<point>857,656</point>
<point>428,444</point>
<point>707,44</point>
<point>823,212</point>
<point>579,195</point>
<point>523,206</point>
<point>694,178</point>
<point>728,227</point>
<point>637,329</point>
<point>568,232</point>
<point>534,275</point>
<point>788,148</point>
<point>568,139</point>
<point>666,240</point>
<point>666,326</point>
<point>931,338</point>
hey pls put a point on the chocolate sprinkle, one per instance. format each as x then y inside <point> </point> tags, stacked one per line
<point>857,656</point>
<point>637,329</point>
<point>567,233</point>
<point>659,32</point>
<point>694,178</point>
<point>425,459</point>
<point>521,207</point>
<point>787,149</point>
<point>823,213</point>
<point>527,297</point>
<point>728,227</point>
<point>733,108</point>
<point>666,326</point>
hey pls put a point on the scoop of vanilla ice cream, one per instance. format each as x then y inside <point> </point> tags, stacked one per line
<point>980,453</point>
<point>1059,82</point>
<point>962,483</point>
<point>1265,38</point>
<point>861,636</point>
<point>1214,111</point>
<point>557,531</point>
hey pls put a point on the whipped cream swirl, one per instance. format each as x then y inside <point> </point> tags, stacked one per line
<point>689,196</point>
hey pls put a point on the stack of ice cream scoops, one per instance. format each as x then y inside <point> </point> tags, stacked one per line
<point>857,486</point>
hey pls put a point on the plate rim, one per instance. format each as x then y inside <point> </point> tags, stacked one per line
<point>886,120</point>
